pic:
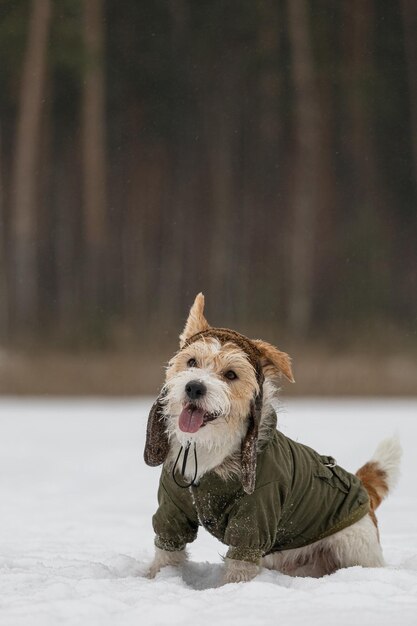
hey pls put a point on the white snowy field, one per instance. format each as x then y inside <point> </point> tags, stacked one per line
<point>76,538</point>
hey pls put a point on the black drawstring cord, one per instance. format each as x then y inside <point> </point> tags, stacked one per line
<point>184,465</point>
<point>184,460</point>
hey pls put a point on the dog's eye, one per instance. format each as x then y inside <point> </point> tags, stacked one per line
<point>230,375</point>
<point>191,363</point>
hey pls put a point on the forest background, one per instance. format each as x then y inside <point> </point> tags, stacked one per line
<point>263,152</point>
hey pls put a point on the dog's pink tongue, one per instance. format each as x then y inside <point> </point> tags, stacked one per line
<point>191,419</point>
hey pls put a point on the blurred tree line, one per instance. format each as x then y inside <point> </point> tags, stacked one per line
<point>264,152</point>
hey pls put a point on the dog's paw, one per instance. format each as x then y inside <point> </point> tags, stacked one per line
<point>239,571</point>
<point>236,577</point>
<point>164,558</point>
<point>152,571</point>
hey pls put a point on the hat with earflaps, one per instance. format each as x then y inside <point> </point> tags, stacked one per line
<point>262,356</point>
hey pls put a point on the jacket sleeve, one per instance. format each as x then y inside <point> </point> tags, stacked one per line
<point>173,527</point>
<point>252,525</point>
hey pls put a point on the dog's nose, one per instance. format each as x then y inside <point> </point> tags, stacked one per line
<point>195,390</point>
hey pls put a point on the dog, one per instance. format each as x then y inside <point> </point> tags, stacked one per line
<point>274,502</point>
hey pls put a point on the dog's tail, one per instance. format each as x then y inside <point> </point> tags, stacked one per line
<point>380,475</point>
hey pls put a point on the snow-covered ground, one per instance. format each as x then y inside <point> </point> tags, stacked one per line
<point>75,524</point>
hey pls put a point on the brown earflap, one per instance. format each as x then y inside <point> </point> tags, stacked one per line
<point>157,444</point>
<point>249,445</point>
<point>274,362</point>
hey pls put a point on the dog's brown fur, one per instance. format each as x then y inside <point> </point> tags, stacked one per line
<point>374,479</point>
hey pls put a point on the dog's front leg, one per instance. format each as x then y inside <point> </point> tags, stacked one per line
<point>164,558</point>
<point>239,571</point>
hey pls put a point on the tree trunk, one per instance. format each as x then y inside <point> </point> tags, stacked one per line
<point>94,157</point>
<point>270,87</point>
<point>306,172</point>
<point>359,52</point>
<point>67,196</point>
<point>221,132</point>
<point>409,14</point>
<point>3,283</point>
<point>23,252</point>
<point>364,229</point>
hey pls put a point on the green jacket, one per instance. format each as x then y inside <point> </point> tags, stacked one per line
<point>297,500</point>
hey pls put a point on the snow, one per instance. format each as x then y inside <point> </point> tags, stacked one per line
<point>76,536</point>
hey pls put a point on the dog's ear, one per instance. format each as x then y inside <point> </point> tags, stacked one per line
<point>274,362</point>
<point>157,444</point>
<point>196,321</point>
<point>249,445</point>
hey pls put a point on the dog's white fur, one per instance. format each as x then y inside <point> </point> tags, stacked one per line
<point>388,457</point>
<point>219,445</point>
<point>163,558</point>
